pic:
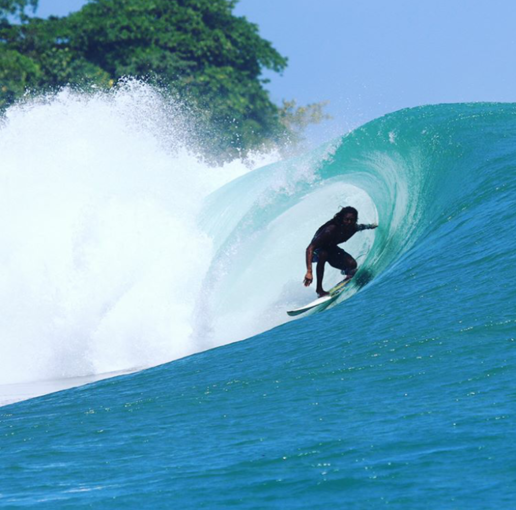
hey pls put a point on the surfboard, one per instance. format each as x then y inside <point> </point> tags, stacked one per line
<point>322,302</point>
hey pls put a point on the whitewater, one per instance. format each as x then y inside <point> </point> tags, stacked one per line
<point>122,250</point>
<point>103,260</point>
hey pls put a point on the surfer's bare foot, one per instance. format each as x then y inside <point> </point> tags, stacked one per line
<point>322,293</point>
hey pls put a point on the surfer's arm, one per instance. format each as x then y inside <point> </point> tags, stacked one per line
<point>309,278</point>
<point>366,226</point>
<point>324,238</point>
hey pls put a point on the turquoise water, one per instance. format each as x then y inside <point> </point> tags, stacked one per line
<point>400,396</point>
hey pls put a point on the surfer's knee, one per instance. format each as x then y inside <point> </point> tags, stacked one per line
<point>351,268</point>
<point>351,264</point>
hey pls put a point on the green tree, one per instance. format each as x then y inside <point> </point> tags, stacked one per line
<point>16,72</point>
<point>209,58</point>
<point>16,8</point>
<point>296,119</point>
<point>36,55</point>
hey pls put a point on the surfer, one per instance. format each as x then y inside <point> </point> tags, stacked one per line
<point>323,247</point>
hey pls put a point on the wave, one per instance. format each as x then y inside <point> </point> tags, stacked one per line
<point>410,171</point>
<point>409,381</point>
<point>120,249</point>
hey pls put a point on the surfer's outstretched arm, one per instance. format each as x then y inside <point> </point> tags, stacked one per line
<point>366,226</point>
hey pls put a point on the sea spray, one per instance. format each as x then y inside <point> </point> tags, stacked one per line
<point>102,260</point>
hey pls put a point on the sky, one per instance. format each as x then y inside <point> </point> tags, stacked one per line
<point>372,57</point>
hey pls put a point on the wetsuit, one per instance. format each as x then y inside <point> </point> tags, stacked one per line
<point>335,253</point>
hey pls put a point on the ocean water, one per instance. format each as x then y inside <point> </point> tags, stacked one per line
<point>120,253</point>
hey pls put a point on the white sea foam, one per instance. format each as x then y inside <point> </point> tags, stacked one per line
<point>101,256</point>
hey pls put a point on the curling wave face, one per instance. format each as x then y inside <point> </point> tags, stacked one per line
<point>121,250</point>
<point>404,171</point>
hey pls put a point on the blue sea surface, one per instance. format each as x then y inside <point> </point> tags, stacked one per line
<point>401,396</point>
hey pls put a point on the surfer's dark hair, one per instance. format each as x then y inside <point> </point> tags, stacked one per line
<point>346,210</point>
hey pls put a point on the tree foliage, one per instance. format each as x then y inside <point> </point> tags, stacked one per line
<point>296,118</point>
<point>16,8</point>
<point>210,58</point>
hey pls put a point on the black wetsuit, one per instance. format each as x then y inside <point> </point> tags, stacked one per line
<point>336,254</point>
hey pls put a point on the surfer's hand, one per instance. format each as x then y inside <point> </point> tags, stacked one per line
<point>308,278</point>
<point>374,225</point>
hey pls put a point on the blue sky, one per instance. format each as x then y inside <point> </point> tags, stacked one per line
<point>371,57</point>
